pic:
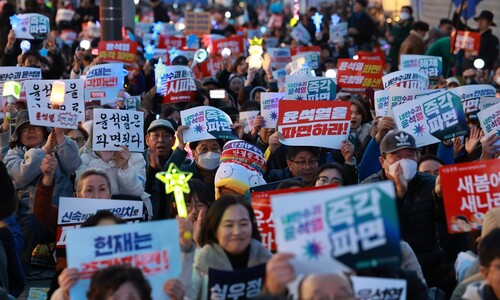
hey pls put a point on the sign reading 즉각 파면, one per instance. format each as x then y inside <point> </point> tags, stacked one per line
<point>30,26</point>
<point>409,79</point>
<point>309,88</point>
<point>103,82</point>
<point>113,128</point>
<point>118,51</point>
<point>206,122</point>
<point>67,115</point>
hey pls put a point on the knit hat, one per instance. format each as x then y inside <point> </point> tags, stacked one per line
<point>242,166</point>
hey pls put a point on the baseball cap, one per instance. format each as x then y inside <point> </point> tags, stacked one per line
<point>396,140</point>
<point>161,123</point>
<point>180,61</point>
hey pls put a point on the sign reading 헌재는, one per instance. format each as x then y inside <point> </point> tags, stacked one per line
<point>430,65</point>
<point>408,79</point>
<point>205,123</point>
<point>113,128</point>
<point>103,82</point>
<point>357,225</point>
<point>357,75</point>
<point>142,245</point>
<point>314,123</point>
<point>433,118</point>
<point>299,87</point>
<point>471,189</point>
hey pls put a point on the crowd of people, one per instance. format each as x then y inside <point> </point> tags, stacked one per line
<point>41,164</point>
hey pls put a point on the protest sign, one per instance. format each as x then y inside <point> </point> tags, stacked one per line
<point>206,122</point>
<point>304,49</point>
<point>30,26</point>
<point>18,74</point>
<point>280,57</point>
<point>308,59</point>
<point>314,123</point>
<point>373,288</point>
<point>356,75</point>
<point>489,120</point>
<point>471,190</point>
<point>236,285</point>
<point>235,43</point>
<point>432,118</point>
<point>467,41</point>
<point>486,102</point>
<point>400,96</point>
<point>170,42</point>
<point>67,115</point>
<point>210,67</point>
<point>271,41</point>
<point>470,96</point>
<point>142,28</point>
<point>197,23</point>
<point>299,87</point>
<point>118,51</point>
<point>103,82</point>
<point>142,245</point>
<point>409,79</point>
<point>430,65</point>
<point>187,53</point>
<point>269,108</point>
<point>358,225</point>
<point>132,102</point>
<point>381,100</point>
<point>113,128</point>
<point>300,34</point>
<point>175,83</point>
<point>338,32</point>
<point>64,15</point>
<point>377,55</point>
<point>247,118</point>
<point>280,77</point>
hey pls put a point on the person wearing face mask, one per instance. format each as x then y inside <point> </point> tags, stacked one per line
<point>419,202</point>
<point>398,33</point>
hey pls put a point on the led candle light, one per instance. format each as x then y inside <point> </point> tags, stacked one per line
<point>226,52</point>
<point>12,92</point>
<point>317,19</point>
<point>255,50</point>
<point>58,93</point>
<point>85,44</point>
<point>176,181</point>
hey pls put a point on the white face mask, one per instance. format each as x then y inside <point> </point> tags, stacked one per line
<point>404,16</point>
<point>409,167</point>
<point>498,80</point>
<point>209,160</point>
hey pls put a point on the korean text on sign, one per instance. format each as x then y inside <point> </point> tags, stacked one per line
<point>357,75</point>
<point>236,285</point>
<point>115,128</point>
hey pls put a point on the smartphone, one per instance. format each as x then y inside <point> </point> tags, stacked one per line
<point>218,94</point>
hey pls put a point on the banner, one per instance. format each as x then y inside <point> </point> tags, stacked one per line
<point>235,43</point>
<point>205,123</point>
<point>309,88</point>
<point>19,74</point>
<point>30,26</point>
<point>67,115</point>
<point>175,83</point>
<point>236,285</point>
<point>269,108</point>
<point>433,118</point>
<point>103,82</point>
<point>489,120</point>
<point>118,51</point>
<point>373,288</point>
<point>471,190</point>
<point>197,23</point>
<point>247,118</point>
<point>408,79</point>
<point>280,57</point>
<point>300,34</point>
<point>142,245</point>
<point>113,128</point>
<point>486,102</point>
<point>470,96</point>
<point>358,225</point>
<point>338,32</point>
<point>304,49</point>
<point>171,42</point>
<point>430,65</point>
<point>314,123</point>
<point>357,75</point>
<point>468,41</point>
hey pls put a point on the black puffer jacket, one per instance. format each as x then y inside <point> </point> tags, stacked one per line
<point>418,213</point>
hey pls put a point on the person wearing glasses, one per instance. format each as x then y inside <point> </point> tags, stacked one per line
<point>79,135</point>
<point>302,161</point>
<point>331,174</point>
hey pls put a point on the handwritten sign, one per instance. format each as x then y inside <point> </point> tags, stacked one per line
<point>408,79</point>
<point>433,118</point>
<point>489,119</point>
<point>247,118</point>
<point>430,65</point>
<point>468,41</point>
<point>40,109</point>
<point>197,23</point>
<point>280,57</point>
<point>206,122</point>
<point>235,285</point>
<point>142,245</point>
<point>357,225</point>
<point>175,84</point>
<point>373,288</point>
<point>471,190</point>
<point>103,82</point>
<point>118,51</point>
<point>470,96</point>
<point>314,123</point>
<point>269,108</point>
<point>113,128</point>
<point>309,88</point>
<point>30,26</point>
<point>357,75</point>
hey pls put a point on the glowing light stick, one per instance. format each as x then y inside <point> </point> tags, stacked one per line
<point>255,50</point>
<point>85,44</point>
<point>335,19</point>
<point>317,19</point>
<point>226,52</point>
<point>25,46</point>
<point>176,181</point>
<point>14,21</point>
<point>57,94</point>
<point>160,71</point>
<point>200,55</point>
<point>11,91</point>
<point>478,63</point>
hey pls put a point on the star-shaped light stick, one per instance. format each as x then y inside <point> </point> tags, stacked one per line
<point>335,19</point>
<point>176,181</point>
<point>317,19</point>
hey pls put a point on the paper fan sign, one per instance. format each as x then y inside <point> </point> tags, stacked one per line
<point>408,79</point>
<point>206,123</point>
<point>30,26</point>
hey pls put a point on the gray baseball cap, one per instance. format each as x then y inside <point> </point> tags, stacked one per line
<point>161,123</point>
<point>396,140</point>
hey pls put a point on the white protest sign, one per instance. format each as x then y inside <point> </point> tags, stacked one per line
<point>400,96</point>
<point>486,102</point>
<point>489,120</point>
<point>103,82</point>
<point>142,245</point>
<point>308,59</point>
<point>30,26</point>
<point>470,96</point>
<point>67,115</point>
<point>205,123</point>
<point>64,15</point>
<point>408,79</point>
<point>430,65</point>
<point>247,118</point>
<point>381,99</point>
<point>371,288</point>
<point>269,108</point>
<point>300,34</point>
<point>279,76</point>
<point>19,74</point>
<point>113,128</point>
<point>338,31</point>
<point>280,57</point>
<point>309,88</point>
<point>132,102</point>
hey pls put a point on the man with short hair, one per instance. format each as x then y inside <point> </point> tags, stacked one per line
<point>444,29</point>
<point>302,161</point>
<point>414,43</point>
